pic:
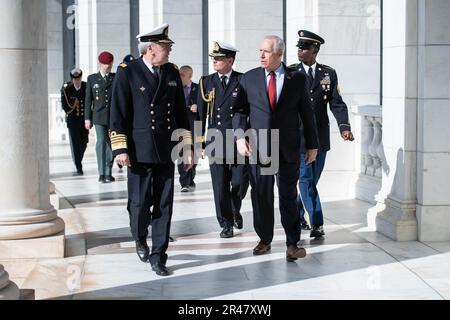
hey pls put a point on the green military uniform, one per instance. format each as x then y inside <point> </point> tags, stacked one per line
<point>98,103</point>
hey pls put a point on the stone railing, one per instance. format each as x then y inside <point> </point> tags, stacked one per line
<point>369,121</point>
<point>56,119</point>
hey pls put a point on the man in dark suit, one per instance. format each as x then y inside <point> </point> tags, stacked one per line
<point>190,90</point>
<point>72,101</point>
<point>229,179</point>
<point>323,88</point>
<point>148,108</point>
<point>271,100</point>
<point>98,105</point>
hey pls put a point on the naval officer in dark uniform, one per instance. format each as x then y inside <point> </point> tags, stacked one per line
<point>72,101</point>
<point>98,105</point>
<point>323,86</point>
<point>147,107</point>
<point>215,109</point>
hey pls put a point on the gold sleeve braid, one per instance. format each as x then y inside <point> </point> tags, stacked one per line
<point>75,105</point>
<point>118,141</point>
<point>186,137</point>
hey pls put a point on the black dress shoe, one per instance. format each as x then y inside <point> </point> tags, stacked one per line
<point>109,179</point>
<point>160,269</point>
<point>142,250</point>
<point>238,222</point>
<point>317,232</point>
<point>101,178</point>
<point>227,232</point>
<point>171,239</point>
<point>304,225</point>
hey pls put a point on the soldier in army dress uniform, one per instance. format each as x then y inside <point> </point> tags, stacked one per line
<point>323,87</point>
<point>98,105</point>
<point>72,101</point>
<point>215,109</point>
<point>148,105</point>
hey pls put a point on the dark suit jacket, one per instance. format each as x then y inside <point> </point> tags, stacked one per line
<point>98,98</point>
<point>74,110</point>
<point>324,91</point>
<point>145,112</point>
<point>253,110</point>
<point>222,112</point>
<point>192,99</point>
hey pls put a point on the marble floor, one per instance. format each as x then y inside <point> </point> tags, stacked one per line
<point>352,262</point>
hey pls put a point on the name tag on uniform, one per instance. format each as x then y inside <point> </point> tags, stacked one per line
<point>172,83</point>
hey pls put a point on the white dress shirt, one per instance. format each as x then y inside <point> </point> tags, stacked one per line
<point>228,75</point>
<point>279,74</point>
<point>313,68</point>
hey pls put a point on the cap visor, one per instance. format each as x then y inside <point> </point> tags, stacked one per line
<point>217,54</point>
<point>166,41</point>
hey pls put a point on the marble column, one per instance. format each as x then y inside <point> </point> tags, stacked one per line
<point>395,213</point>
<point>56,74</point>
<point>244,24</point>
<point>351,30</point>
<point>433,145</point>
<point>185,29</point>
<point>101,25</point>
<point>25,209</point>
<point>8,289</point>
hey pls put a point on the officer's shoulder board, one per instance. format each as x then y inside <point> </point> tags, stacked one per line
<point>175,66</point>
<point>294,66</point>
<point>66,84</point>
<point>327,67</point>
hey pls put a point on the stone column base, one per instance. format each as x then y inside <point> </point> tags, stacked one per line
<point>45,247</point>
<point>434,224</point>
<point>394,219</point>
<point>30,224</point>
<point>8,289</point>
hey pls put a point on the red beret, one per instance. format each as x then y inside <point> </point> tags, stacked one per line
<point>105,57</point>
